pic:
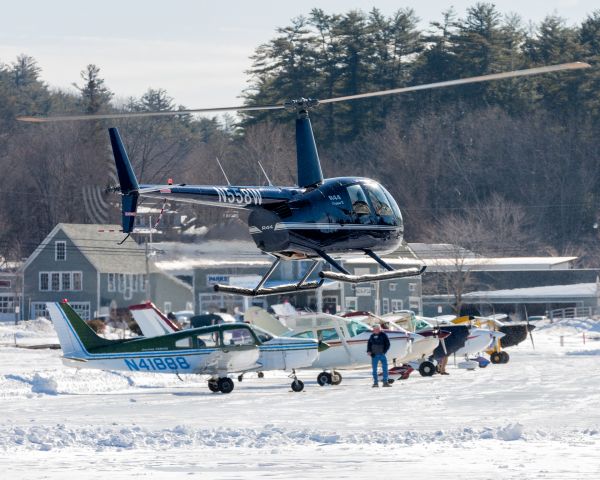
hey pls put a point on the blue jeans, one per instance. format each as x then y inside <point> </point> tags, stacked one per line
<point>375,359</point>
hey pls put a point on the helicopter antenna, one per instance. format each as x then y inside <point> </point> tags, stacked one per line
<point>224,174</point>
<point>265,173</point>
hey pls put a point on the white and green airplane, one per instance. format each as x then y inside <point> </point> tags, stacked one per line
<point>216,351</point>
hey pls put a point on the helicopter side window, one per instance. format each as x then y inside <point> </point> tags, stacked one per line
<point>358,200</point>
<point>379,200</point>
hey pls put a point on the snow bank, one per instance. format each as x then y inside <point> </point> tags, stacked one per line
<point>134,437</point>
<point>40,328</point>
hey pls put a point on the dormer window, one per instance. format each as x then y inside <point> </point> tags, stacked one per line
<point>60,251</point>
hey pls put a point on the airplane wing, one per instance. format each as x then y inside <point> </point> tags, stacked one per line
<point>152,321</point>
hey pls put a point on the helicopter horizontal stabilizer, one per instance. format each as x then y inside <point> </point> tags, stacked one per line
<point>259,292</point>
<point>375,277</point>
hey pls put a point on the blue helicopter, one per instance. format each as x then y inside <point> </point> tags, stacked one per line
<point>319,219</point>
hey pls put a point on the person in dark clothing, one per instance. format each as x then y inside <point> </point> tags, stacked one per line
<point>377,347</point>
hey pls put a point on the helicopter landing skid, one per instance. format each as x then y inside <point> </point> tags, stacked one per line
<point>260,290</point>
<point>344,276</point>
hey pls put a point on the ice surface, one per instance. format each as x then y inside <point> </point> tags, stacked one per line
<point>536,417</point>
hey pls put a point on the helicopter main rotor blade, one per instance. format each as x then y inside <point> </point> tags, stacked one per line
<point>308,103</point>
<point>165,113</point>
<point>463,81</point>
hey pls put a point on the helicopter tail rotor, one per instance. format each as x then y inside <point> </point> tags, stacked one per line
<point>127,181</point>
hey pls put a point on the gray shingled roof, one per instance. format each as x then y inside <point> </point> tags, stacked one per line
<point>100,245</point>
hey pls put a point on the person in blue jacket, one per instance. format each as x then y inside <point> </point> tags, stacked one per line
<point>377,347</point>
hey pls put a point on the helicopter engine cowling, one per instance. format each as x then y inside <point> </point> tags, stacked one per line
<point>263,227</point>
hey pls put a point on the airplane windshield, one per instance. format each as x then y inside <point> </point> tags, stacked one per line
<point>421,324</point>
<point>356,328</point>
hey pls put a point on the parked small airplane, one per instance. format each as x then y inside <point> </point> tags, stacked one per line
<point>479,340</point>
<point>346,338</point>
<point>457,336</point>
<point>275,353</point>
<point>514,333</point>
<point>215,351</point>
<point>421,348</point>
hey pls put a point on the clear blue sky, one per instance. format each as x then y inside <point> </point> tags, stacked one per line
<point>196,50</point>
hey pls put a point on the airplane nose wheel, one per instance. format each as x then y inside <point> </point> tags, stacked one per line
<point>496,357</point>
<point>324,378</point>
<point>297,385</point>
<point>427,369</point>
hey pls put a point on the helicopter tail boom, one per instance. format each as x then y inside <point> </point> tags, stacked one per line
<point>130,189</point>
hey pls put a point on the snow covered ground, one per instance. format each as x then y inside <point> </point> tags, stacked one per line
<point>536,417</point>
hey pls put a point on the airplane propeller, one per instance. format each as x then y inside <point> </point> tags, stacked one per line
<point>529,329</point>
<point>302,105</point>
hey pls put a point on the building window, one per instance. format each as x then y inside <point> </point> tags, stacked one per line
<point>111,282</point>
<point>60,251</point>
<point>66,281</point>
<point>351,304</point>
<point>392,287</point>
<point>55,281</point>
<point>386,305</point>
<point>44,282</point>
<point>5,284</point>
<point>134,283</point>
<point>397,305</point>
<point>142,282</point>
<point>60,281</point>
<point>412,287</point>
<point>168,307</point>
<point>82,309</point>
<point>7,304</point>
<point>121,282</point>
<point>38,309</point>
<point>77,281</point>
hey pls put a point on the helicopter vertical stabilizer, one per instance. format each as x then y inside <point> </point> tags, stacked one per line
<point>127,181</point>
<point>307,157</point>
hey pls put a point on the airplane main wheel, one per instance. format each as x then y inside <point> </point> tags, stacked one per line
<point>260,374</point>
<point>226,385</point>
<point>496,357</point>
<point>213,386</point>
<point>336,378</point>
<point>297,385</point>
<point>505,357</point>
<point>427,369</point>
<point>324,378</point>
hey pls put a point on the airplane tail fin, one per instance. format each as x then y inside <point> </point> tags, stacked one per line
<point>127,181</point>
<point>74,335</point>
